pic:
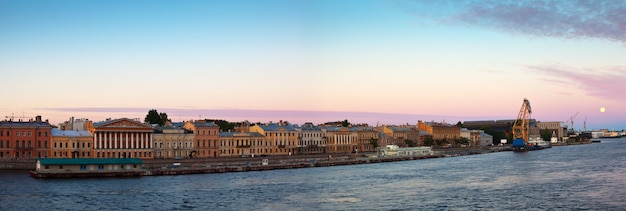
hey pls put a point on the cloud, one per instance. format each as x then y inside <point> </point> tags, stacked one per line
<point>573,19</point>
<point>603,82</point>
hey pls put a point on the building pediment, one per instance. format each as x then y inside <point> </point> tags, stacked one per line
<point>122,123</point>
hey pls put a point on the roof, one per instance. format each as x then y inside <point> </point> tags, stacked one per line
<point>232,134</point>
<point>24,124</point>
<point>205,124</point>
<point>274,127</point>
<point>69,133</point>
<point>87,161</point>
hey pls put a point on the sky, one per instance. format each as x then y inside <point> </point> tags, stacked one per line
<point>375,62</point>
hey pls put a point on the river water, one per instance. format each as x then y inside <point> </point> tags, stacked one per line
<point>584,177</point>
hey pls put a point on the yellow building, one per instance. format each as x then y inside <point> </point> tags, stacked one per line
<point>440,131</point>
<point>71,144</point>
<point>241,144</point>
<point>280,138</point>
<point>365,137</point>
<point>171,142</point>
<point>400,135</point>
<point>341,140</point>
<point>206,138</point>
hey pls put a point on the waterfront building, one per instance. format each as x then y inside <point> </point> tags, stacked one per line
<point>395,151</point>
<point>384,140</point>
<point>280,138</point>
<point>241,144</point>
<point>122,138</point>
<point>401,135</point>
<point>25,139</point>
<point>486,139</point>
<point>311,139</point>
<point>441,131</point>
<point>341,140</point>
<point>366,135</point>
<point>71,144</point>
<point>477,137</point>
<point>173,142</point>
<point>206,138</point>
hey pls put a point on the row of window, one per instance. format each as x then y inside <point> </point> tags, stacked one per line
<point>23,133</point>
<point>159,145</point>
<point>252,151</point>
<point>21,154</point>
<point>280,134</point>
<point>74,145</point>
<point>23,145</point>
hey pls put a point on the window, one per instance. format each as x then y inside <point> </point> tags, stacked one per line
<point>17,143</point>
<point>23,133</point>
<point>39,133</point>
<point>38,144</point>
<point>47,167</point>
<point>45,133</point>
<point>30,133</point>
<point>18,133</point>
<point>83,167</point>
<point>100,167</point>
<point>45,144</point>
<point>60,166</point>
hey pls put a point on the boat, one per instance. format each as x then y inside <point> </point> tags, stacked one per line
<point>88,167</point>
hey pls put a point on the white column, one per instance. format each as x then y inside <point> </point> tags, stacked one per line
<point>95,140</point>
<point>132,140</point>
<point>115,140</point>
<point>126,141</point>
<point>150,141</point>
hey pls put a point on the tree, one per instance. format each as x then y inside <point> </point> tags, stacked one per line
<point>154,117</point>
<point>345,123</point>
<point>409,143</point>
<point>428,141</point>
<point>374,143</point>
<point>459,124</point>
<point>546,134</point>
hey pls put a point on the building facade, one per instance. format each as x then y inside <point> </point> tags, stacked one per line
<point>122,138</point>
<point>311,139</point>
<point>173,143</point>
<point>241,144</point>
<point>366,136</point>
<point>281,138</point>
<point>206,137</point>
<point>341,140</point>
<point>71,144</point>
<point>25,139</point>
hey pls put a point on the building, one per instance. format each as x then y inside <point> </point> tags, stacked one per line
<point>557,129</point>
<point>280,138</point>
<point>341,140</point>
<point>25,139</point>
<point>311,139</point>
<point>206,137</point>
<point>485,139</point>
<point>402,135</point>
<point>173,143</point>
<point>366,137</point>
<point>472,135</point>
<point>71,144</point>
<point>122,138</point>
<point>81,124</point>
<point>241,144</point>
<point>395,151</point>
<point>441,131</point>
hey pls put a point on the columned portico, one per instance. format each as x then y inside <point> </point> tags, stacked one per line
<point>122,138</point>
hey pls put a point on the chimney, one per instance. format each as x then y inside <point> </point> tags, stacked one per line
<point>38,118</point>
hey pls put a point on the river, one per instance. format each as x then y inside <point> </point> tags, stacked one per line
<point>586,177</point>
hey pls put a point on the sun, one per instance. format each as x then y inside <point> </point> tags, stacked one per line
<point>602,109</point>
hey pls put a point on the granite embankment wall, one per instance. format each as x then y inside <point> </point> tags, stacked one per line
<point>17,164</point>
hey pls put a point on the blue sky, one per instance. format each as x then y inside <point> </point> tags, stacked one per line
<point>426,60</point>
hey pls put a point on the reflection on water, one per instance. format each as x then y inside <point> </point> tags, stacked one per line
<point>574,177</point>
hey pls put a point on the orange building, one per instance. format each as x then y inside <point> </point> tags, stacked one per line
<point>23,139</point>
<point>206,138</point>
<point>440,131</point>
<point>122,138</point>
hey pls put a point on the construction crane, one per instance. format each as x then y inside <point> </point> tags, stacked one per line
<point>520,127</point>
<point>571,120</point>
<point>13,117</point>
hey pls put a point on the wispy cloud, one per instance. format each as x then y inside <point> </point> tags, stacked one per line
<point>604,82</point>
<point>602,19</point>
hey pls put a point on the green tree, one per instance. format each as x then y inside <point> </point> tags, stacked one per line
<point>374,143</point>
<point>154,117</point>
<point>345,123</point>
<point>409,143</point>
<point>428,141</point>
<point>459,124</point>
<point>546,134</point>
